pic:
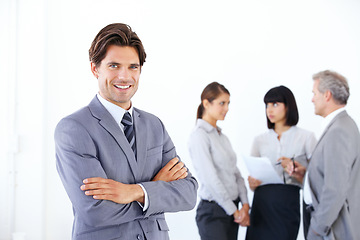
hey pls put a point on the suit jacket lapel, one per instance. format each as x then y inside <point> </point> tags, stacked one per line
<point>141,140</point>
<point>109,124</point>
<point>341,114</point>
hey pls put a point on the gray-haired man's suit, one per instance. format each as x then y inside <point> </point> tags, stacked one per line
<point>334,178</point>
<point>89,143</point>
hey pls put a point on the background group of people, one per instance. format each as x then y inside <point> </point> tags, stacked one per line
<point>121,171</point>
<point>329,208</point>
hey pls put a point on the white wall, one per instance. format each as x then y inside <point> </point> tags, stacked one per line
<point>22,122</point>
<point>249,46</point>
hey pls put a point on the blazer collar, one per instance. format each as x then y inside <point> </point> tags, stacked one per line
<point>338,116</point>
<point>141,133</point>
<point>111,126</point>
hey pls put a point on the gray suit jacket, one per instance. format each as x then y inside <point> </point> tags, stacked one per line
<point>89,143</point>
<point>334,178</point>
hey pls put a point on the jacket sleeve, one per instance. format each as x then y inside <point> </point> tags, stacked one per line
<point>336,171</point>
<point>76,159</point>
<point>179,195</point>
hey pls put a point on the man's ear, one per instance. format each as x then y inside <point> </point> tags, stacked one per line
<point>94,70</point>
<point>327,95</point>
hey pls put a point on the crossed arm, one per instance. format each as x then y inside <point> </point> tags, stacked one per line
<point>107,189</point>
<point>77,160</point>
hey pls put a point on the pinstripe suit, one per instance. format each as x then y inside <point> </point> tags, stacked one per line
<point>89,143</point>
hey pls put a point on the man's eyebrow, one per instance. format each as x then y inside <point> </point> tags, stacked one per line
<point>116,63</point>
<point>113,63</point>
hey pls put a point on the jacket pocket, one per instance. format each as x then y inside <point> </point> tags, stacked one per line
<point>162,225</point>
<point>154,224</point>
<point>153,151</point>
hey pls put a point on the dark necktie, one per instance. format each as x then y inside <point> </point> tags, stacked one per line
<point>129,130</point>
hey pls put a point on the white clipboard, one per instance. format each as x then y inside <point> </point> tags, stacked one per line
<point>262,169</point>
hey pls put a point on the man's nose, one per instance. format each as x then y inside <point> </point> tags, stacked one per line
<point>123,73</point>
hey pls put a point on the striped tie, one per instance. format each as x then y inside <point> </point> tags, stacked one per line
<point>129,130</point>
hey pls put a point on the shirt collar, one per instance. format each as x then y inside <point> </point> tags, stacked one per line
<point>272,131</point>
<point>116,112</point>
<point>326,121</point>
<point>201,123</point>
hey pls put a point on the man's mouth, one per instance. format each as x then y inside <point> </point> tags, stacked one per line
<point>122,86</point>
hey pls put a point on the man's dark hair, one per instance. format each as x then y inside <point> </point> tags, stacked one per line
<point>118,34</point>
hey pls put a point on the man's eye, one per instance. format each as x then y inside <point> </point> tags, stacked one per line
<point>134,67</point>
<point>113,66</point>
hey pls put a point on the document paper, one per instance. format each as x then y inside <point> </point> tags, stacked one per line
<point>262,169</point>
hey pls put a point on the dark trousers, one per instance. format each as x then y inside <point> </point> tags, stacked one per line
<point>213,222</point>
<point>306,218</point>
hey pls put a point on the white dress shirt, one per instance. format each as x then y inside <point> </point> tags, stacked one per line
<point>324,124</point>
<point>118,113</point>
<point>214,162</point>
<point>294,143</point>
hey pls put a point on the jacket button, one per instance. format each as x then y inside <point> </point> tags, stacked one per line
<point>139,237</point>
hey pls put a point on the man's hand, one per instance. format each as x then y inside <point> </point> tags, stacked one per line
<point>253,183</point>
<point>242,216</point>
<point>284,161</point>
<point>107,189</point>
<point>297,172</point>
<point>173,170</point>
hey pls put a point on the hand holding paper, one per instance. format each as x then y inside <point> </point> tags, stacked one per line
<point>262,169</point>
<point>253,183</point>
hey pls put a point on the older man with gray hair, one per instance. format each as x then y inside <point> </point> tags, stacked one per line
<point>332,183</point>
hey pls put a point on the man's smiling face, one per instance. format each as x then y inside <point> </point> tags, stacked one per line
<point>118,75</point>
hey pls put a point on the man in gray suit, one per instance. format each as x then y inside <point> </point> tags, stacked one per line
<point>117,163</point>
<point>332,181</point>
